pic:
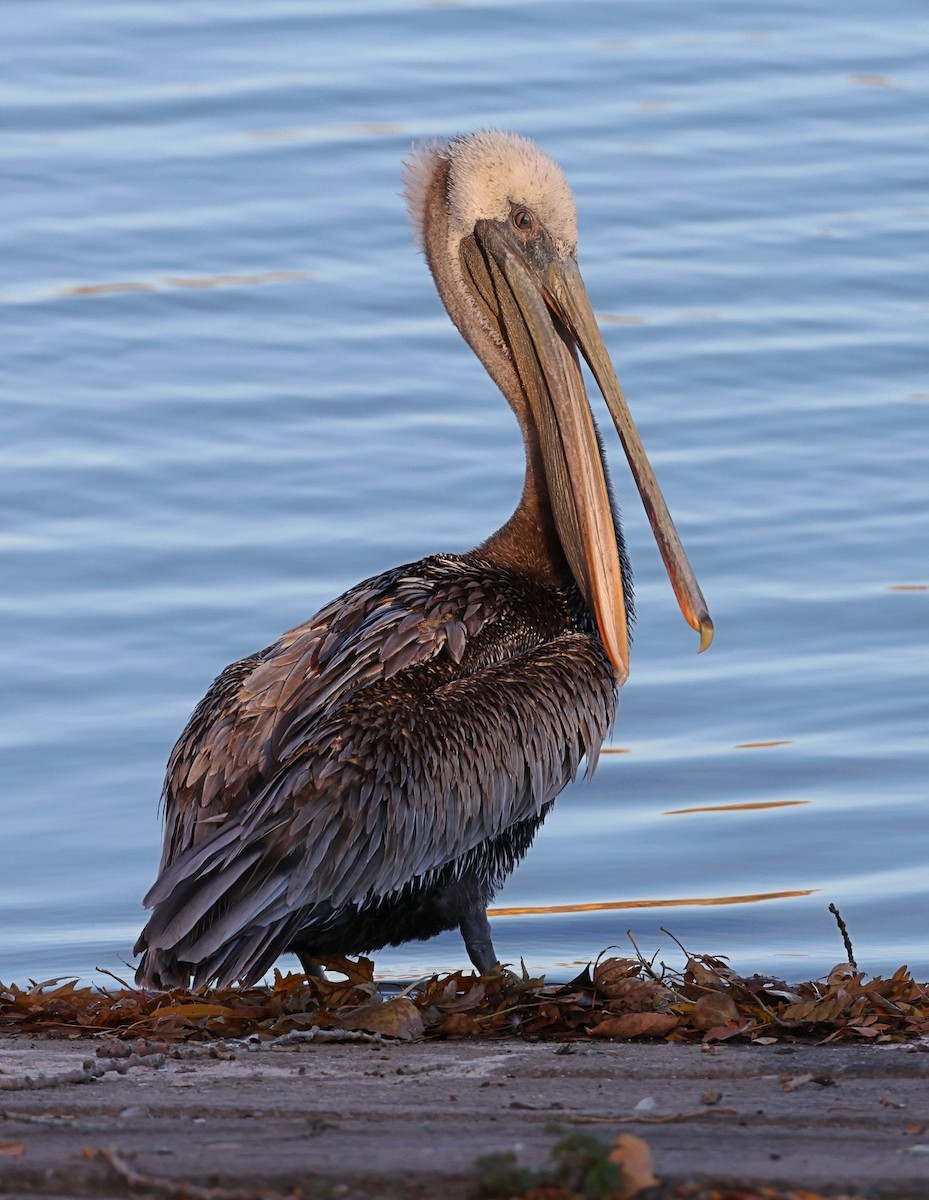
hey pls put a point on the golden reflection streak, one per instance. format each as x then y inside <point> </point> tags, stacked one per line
<point>104,289</point>
<point>614,905</point>
<point>760,745</point>
<point>211,281</point>
<point>908,587</point>
<point>182,281</point>
<point>674,812</point>
<point>880,81</point>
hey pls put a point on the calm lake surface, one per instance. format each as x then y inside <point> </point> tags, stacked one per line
<point>229,392</point>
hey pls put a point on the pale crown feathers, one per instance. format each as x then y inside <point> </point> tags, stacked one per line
<point>489,172</point>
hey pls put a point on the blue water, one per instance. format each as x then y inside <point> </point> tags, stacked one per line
<point>229,392</point>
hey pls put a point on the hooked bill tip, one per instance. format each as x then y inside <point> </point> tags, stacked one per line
<point>706,631</point>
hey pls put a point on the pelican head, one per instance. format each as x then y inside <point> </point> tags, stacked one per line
<point>497,222</point>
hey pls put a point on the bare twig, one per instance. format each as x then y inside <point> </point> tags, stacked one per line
<point>411,988</point>
<point>680,945</point>
<point>636,1118</point>
<point>175,1187</point>
<point>647,966</point>
<point>843,929</point>
<point>36,1118</point>
<point>121,982</point>
<point>324,1035</point>
<point>87,1072</point>
<point>770,1014</point>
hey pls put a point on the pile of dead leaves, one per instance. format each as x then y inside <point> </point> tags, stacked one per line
<point>614,998</point>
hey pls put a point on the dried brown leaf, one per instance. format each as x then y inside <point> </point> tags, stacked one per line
<point>723,1033</point>
<point>194,1012</point>
<point>633,1025</point>
<point>464,1002</point>
<point>396,1018</point>
<point>613,974</point>
<point>355,971</point>
<point>457,1025</point>
<point>637,995</point>
<point>715,1008</point>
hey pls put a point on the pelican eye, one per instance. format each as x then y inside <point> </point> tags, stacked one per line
<point>523,220</point>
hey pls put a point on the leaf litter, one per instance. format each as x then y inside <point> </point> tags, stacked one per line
<point>615,997</point>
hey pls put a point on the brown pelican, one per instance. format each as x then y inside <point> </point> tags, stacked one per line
<point>373,776</point>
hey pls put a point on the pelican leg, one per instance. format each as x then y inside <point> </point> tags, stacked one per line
<point>475,929</point>
<point>311,968</point>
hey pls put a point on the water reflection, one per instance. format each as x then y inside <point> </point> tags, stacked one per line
<point>749,806</point>
<point>181,281</point>
<point>613,905</point>
<point>760,745</point>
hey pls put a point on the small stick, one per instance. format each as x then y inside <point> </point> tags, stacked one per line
<point>127,986</point>
<point>324,1035</point>
<point>86,1073</point>
<point>35,1118</point>
<point>172,1187</point>
<point>635,1118</point>
<point>682,948</point>
<point>843,929</point>
<point>646,965</point>
<point>771,1015</point>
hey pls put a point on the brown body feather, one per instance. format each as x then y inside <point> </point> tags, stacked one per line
<point>375,774</point>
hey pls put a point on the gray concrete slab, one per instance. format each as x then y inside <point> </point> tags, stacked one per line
<point>411,1120</point>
